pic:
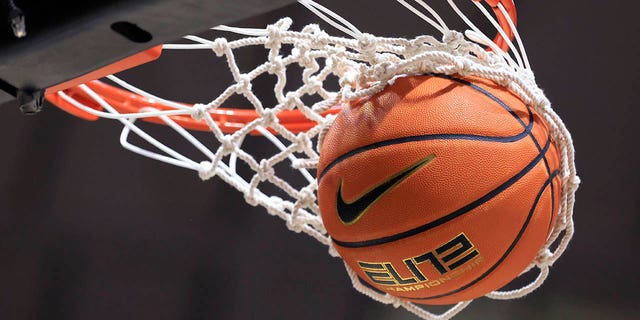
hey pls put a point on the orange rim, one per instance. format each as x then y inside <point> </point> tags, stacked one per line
<point>510,7</point>
<point>228,119</point>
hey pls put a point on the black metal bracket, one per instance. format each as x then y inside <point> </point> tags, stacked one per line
<point>16,19</point>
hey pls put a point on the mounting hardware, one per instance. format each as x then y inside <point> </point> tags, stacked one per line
<point>30,101</point>
<point>16,19</point>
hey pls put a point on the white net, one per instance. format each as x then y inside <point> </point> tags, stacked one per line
<point>359,65</point>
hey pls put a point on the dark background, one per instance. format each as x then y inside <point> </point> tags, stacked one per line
<point>91,231</point>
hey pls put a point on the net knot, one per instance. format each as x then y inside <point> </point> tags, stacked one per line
<point>243,84</point>
<point>275,65</point>
<point>302,142</point>
<point>571,182</point>
<point>314,85</point>
<point>311,28</point>
<point>199,111</point>
<point>291,100</point>
<point>269,117</point>
<point>368,43</point>
<point>276,203</point>
<point>544,257</point>
<point>219,46</point>
<point>301,52</point>
<point>274,36</point>
<point>336,54</point>
<point>206,170</point>
<point>284,23</point>
<point>275,33</point>
<point>306,197</point>
<point>319,38</point>
<point>227,145</point>
<point>395,302</point>
<point>416,46</point>
<point>348,78</point>
<point>294,226</point>
<point>384,71</point>
<point>250,198</point>
<point>265,171</point>
<point>453,39</point>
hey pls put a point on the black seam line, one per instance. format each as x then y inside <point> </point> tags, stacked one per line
<point>505,106</point>
<point>427,137</point>
<point>486,93</point>
<point>517,137</point>
<point>451,216</point>
<point>504,256</point>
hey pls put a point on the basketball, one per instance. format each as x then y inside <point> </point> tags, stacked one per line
<point>439,189</point>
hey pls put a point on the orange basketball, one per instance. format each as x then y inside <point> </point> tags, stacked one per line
<point>439,189</point>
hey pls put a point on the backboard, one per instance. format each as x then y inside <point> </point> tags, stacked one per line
<point>105,30</point>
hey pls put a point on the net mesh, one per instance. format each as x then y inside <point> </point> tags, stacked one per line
<point>358,65</point>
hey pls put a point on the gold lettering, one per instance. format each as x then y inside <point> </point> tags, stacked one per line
<point>459,255</point>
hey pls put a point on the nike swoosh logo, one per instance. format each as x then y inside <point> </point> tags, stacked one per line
<point>351,211</point>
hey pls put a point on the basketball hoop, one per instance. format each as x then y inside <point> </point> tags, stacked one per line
<point>229,119</point>
<point>361,65</point>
